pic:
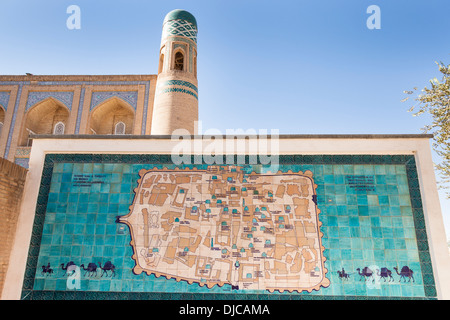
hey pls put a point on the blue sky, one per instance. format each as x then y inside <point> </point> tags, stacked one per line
<point>297,66</point>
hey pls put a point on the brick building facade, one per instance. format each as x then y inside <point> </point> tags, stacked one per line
<point>12,180</point>
<point>114,104</point>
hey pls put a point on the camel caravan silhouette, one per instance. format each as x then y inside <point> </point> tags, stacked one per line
<point>47,270</point>
<point>70,267</point>
<point>366,273</point>
<point>384,273</point>
<point>406,272</point>
<point>91,269</point>
<point>108,267</point>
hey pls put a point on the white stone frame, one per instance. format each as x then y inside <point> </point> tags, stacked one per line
<point>124,128</point>
<point>59,124</point>
<point>417,145</point>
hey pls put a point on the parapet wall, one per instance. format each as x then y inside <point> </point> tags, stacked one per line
<point>12,180</point>
<point>353,217</point>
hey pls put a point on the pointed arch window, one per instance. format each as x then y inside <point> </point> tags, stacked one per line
<point>179,61</point>
<point>161,63</point>
<point>59,128</point>
<point>119,128</point>
<point>195,66</point>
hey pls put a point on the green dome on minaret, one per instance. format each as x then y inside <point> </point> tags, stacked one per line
<point>179,14</point>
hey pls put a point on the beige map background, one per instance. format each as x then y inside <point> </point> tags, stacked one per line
<point>224,226</point>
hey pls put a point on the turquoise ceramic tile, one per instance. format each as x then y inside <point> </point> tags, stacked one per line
<point>394,210</point>
<point>406,211</point>
<point>398,233</point>
<point>363,210</point>
<point>332,221</point>
<point>360,227</point>
<point>344,232</point>
<point>376,232</point>
<point>372,200</point>
<point>346,254</point>
<point>375,221</point>
<point>355,232</point>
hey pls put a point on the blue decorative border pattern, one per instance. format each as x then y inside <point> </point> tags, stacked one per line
<point>179,90</point>
<point>183,39</point>
<point>179,45</point>
<point>100,96</point>
<point>164,87</point>
<point>16,107</point>
<point>409,170</point>
<point>80,111</point>
<point>180,28</point>
<point>35,97</point>
<point>23,162</point>
<point>179,83</point>
<point>4,99</point>
<point>23,152</point>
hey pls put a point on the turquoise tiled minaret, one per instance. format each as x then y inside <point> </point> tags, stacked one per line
<point>176,97</point>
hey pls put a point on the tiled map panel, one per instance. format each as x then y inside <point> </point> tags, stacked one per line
<point>372,231</point>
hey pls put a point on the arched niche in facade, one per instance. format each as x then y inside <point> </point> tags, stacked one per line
<point>161,63</point>
<point>120,128</point>
<point>59,128</point>
<point>42,118</point>
<point>104,117</point>
<point>179,60</point>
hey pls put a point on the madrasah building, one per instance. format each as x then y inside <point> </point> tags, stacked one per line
<point>105,105</point>
<point>96,207</point>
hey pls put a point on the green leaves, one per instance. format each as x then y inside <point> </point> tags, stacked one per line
<point>435,101</point>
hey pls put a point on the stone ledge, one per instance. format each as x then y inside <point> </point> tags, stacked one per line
<point>281,136</point>
<point>124,77</point>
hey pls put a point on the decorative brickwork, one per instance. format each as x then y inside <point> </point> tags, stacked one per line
<point>12,179</point>
<point>99,97</point>
<point>79,95</point>
<point>36,97</point>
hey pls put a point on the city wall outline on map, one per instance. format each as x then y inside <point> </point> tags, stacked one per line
<point>224,226</point>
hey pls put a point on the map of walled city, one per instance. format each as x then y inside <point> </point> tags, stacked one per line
<point>224,225</point>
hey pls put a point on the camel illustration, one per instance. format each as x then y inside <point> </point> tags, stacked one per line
<point>343,275</point>
<point>406,272</point>
<point>92,268</point>
<point>385,273</point>
<point>108,266</point>
<point>47,270</point>
<point>366,273</point>
<point>70,267</point>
